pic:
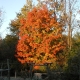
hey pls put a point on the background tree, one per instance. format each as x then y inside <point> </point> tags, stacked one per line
<point>1,17</point>
<point>7,48</point>
<point>66,12</point>
<point>15,24</point>
<point>73,67</point>
<point>7,51</point>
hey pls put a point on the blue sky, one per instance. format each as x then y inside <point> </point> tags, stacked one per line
<point>10,7</point>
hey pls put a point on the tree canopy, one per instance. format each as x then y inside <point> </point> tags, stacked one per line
<point>40,37</point>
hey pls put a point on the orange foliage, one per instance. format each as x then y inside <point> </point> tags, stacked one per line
<point>40,37</point>
<point>36,67</point>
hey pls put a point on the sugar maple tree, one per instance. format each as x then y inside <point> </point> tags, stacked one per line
<point>40,37</point>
